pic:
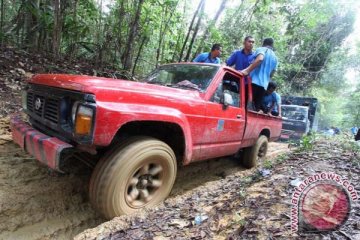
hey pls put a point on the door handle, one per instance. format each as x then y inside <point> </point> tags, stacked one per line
<point>238,116</point>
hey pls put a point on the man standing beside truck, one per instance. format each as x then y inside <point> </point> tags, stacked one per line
<point>262,70</point>
<point>210,57</point>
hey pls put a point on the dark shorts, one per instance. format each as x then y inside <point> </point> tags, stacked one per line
<point>258,93</point>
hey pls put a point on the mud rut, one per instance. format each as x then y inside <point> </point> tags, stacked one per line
<point>37,204</point>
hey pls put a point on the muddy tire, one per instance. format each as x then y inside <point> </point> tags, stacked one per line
<point>253,155</point>
<point>139,173</point>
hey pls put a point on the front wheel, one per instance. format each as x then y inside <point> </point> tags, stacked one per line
<point>138,174</point>
<point>252,155</point>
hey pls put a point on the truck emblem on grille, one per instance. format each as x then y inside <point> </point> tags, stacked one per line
<point>37,103</point>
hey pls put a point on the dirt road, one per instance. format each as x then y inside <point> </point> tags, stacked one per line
<point>256,204</point>
<point>37,204</point>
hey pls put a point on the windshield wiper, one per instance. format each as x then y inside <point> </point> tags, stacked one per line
<point>156,82</point>
<point>175,85</point>
<point>186,86</point>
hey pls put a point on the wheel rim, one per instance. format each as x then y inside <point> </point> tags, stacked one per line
<point>143,185</point>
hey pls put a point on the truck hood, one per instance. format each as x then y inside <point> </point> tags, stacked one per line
<point>96,85</point>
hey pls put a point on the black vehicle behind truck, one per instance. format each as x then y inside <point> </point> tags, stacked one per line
<point>300,116</point>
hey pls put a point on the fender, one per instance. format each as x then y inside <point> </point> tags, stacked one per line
<point>112,116</point>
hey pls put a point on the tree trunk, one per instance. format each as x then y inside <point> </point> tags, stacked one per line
<point>120,37</point>
<point>127,56</point>
<point>177,45</point>
<point>195,33</point>
<point>202,2</point>
<point>57,29</point>
<point>145,39</point>
<point>162,32</point>
<point>2,12</point>
<point>73,43</point>
<point>161,37</point>
<point>33,35</point>
<point>28,24</point>
<point>212,24</point>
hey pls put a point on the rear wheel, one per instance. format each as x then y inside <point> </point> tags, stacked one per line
<point>138,174</point>
<point>253,155</point>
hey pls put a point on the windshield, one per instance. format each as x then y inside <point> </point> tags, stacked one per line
<point>294,113</point>
<point>188,76</point>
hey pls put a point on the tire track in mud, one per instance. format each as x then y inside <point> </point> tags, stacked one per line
<point>36,204</point>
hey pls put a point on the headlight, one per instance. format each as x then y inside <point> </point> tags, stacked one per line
<point>73,111</point>
<point>24,99</point>
<point>83,120</point>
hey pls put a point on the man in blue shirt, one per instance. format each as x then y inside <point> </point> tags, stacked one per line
<point>210,57</point>
<point>277,108</point>
<point>271,101</point>
<point>244,57</point>
<point>262,70</point>
<point>354,130</point>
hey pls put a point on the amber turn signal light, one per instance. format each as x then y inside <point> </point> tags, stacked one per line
<point>83,123</point>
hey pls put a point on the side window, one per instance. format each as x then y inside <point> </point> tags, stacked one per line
<point>231,85</point>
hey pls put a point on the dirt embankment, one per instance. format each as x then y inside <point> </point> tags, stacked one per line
<point>16,66</point>
<point>37,204</point>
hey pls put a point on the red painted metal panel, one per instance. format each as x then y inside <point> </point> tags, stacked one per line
<point>119,102</point>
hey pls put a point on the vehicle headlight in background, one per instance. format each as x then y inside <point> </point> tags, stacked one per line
<point>24,99</point>
<point>83,120</point>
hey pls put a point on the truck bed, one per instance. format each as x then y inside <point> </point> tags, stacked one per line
<point>255,122</point>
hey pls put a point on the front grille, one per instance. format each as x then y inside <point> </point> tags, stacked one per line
<point>49,110</point>
<point>52,110</point>
<point>287,132</point>
<point>30,101</point>
<point>44,107</point>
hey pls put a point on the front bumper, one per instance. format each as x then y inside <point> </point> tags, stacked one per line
<point>290,135</point>
<point>46,149</point>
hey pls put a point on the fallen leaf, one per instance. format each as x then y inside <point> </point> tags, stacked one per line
<point>179,223</point>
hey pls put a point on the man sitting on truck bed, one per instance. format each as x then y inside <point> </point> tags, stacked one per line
<point>271,101</point>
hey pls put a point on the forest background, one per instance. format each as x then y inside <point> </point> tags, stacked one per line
<point>317,41</point>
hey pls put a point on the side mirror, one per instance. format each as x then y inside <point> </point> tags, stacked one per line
<point>226,99</point>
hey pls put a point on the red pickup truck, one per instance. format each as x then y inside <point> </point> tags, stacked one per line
<point>141,131</point>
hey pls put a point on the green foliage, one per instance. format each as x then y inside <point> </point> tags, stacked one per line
<point>267,164</point>
<point>307,142</point>
<point>352,146</point>
<point>307,35</point>
<point>281,158</point>
<point>348,144</point>
<point>352,109</point>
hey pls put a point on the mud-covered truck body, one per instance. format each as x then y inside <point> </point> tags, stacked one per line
<point>140,131</point>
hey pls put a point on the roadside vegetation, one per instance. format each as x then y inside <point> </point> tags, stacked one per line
<point>127,39</point>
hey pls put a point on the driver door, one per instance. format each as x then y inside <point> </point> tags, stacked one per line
<point>225,125</point>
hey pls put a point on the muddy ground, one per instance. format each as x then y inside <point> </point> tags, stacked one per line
<point>37,204</point>
<point>237,203</point>
<point>246,204</point>
<point>34,202</point>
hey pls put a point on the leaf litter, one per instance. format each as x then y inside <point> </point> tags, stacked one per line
<point>250,204</point>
